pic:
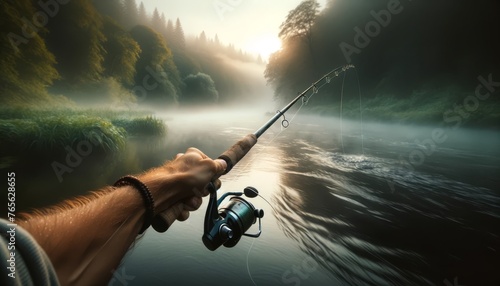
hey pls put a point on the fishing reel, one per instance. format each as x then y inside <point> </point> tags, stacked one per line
<point>226,225</point>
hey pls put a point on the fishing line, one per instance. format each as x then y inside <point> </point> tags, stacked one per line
<point>341,111</point>
<point>253,242</point>
<point>284,125</point>
<point>248,264</point>
<point>360,113</point>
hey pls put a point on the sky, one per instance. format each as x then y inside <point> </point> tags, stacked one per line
<point>252,25</point>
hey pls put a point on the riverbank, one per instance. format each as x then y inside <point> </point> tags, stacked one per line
<point>31,132</point>
<point>417,110</point>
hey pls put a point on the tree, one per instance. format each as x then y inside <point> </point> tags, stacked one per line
<point>131,14</point>
<point>200,89</point>
<point>122,53</point>
<point>26,65</point>
<point>156,67</point>
<point>156,21</point>
<point>111,8</point>
<point>286,68</point>
<point>179,36</point>
<point>260,60</point>
<point>169,33</point>
<point>203,38</point>
<point>299,22</point>
<point>142,15</point>
<point>76,39</point>
<point>163,24</point>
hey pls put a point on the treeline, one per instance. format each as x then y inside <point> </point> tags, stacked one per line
<point>111,51</point>
<point>421,50</point>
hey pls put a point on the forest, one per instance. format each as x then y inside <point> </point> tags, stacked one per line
<point>413,63</point>
<point>111,52</point>
<point>415,59</point>
<point>71,69</point>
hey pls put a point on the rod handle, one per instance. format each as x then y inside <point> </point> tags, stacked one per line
<point>232,156</point>
<point>162,222</point>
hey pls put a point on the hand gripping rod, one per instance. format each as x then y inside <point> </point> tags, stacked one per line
<point>234,154</point>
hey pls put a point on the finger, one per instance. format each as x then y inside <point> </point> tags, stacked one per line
<point>205,190</point>
<point>178,156</point>
<point>196,151</point>
<point>183,216</point>
<point>217,184</point>
<point>220,166</point>
<point>192,204</point>
<point>200,192</point>
<point>209,169</point>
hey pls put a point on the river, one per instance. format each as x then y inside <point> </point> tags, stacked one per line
<point>350,204</point>
<point>386,208</point>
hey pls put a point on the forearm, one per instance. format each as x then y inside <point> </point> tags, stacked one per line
<point>87,242</point>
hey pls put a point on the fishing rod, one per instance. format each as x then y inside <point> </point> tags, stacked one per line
<point>226,225</point>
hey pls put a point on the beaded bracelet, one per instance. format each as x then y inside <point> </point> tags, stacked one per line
<point>149,202</point>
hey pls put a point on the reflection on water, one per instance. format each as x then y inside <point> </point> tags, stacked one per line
<point>336,206</point>
<point>351,215</point>
<point>341,210</point>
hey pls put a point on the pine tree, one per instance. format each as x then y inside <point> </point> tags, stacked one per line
<point>203,38</point>
<point>179,36</point>
<point>156,21</point>
<point>259,60</point>
<point>163,21</point>
<point>131,14</point>
<point>162,29</point>
<point>170,33</point>
<point>142,15</point>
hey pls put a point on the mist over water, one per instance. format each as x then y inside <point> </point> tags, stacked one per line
<point>352,215</point>
<point>346,202</point>
<point>350,203</point>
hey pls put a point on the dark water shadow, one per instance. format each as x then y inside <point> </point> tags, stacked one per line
<point>342,213</point>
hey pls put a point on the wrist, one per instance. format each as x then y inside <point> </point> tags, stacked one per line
<point>147,198</point>
<point>162,187</point>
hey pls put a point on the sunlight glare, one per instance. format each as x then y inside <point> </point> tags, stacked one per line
<point>265,46</point>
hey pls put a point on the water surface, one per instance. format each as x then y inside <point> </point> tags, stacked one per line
<point>370,204</point>
<point>345,210</point>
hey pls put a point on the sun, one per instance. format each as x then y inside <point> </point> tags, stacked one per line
<point>264,46</point>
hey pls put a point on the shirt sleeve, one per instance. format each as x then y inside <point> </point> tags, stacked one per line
<point>22,260</point>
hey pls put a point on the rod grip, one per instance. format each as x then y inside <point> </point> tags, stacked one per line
<point>162,222</point>
<point>234,154</point>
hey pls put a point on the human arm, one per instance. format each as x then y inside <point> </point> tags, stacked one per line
<point>86,238</point>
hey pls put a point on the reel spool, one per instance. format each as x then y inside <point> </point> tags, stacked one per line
<point>227,224</point>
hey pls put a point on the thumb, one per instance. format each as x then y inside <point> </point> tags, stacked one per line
<point>220,167</point>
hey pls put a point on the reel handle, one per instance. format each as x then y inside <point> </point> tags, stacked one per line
<point>232,156</point>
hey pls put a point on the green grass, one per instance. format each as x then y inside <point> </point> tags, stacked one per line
<point>141,126</point>
<point>49,132</point>
<point>417,109</point>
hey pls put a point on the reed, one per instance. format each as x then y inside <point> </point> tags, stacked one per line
<point>50,131</point>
